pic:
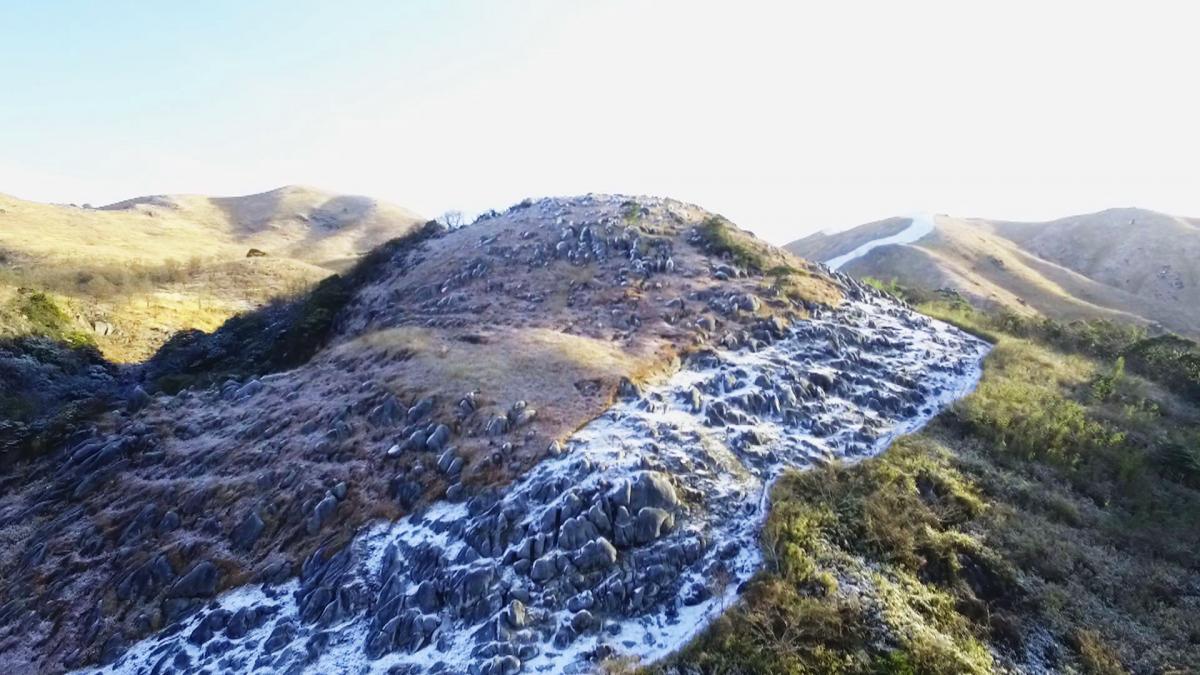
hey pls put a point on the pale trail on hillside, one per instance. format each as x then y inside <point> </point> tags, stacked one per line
<point>1126,265</point>
<point>921,225</point>
<point>677,478</point>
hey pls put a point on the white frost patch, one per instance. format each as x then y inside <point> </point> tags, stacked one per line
<point>920,226</point>
<point>839,387</point>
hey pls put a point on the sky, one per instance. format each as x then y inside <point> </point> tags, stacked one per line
<point>786,117</point>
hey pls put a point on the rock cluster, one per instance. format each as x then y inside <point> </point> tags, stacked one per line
<point>626,540</point>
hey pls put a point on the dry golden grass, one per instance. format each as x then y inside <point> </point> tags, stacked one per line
<point>150,267</point>
<point>293,222</point>
<point>1094,266</point>
<point>568,379</point>
<point>790,275</point>
<point>534,364</point>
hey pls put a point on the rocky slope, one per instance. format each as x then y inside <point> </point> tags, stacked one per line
<point>1130,265</point>
<point>531,443</point>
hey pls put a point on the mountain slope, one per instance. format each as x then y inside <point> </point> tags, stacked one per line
<point>508,437</point>
<point>1124,264</point>
<point>133,273</point>
<point>291,222</point>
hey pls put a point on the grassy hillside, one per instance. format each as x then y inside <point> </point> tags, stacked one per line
<point>1127,265</point>
<point>290,222</point>
<point>821,247</point>
<point>132,274</point>
<point>1048,520</point>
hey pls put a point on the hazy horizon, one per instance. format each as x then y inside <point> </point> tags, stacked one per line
<point>788,120</point>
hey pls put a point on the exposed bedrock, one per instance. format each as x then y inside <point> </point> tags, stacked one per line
<point>627,542</point>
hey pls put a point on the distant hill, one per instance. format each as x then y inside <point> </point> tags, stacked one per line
<point>134,272</point>
<point>294,222</point>
<point>1123,264</point>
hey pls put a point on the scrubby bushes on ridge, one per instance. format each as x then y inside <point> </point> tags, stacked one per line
<point>282,335</point>
<point>1169,359</point>
<point>1050,513</point>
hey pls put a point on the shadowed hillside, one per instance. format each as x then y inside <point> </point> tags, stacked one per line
<point>131,274</point>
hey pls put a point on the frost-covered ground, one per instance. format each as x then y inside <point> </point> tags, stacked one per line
<point>920,226</point>
<point>626,544</point>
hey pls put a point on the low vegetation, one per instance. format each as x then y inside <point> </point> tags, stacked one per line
<point>872,569</point>
<point>1169,359</point>
<point>55,379</point>
<point>52,375</point>
<point>100,280</point>
<point>282,335</point>
<point>721,238</point>
<point>39,314</point>
<point>786,276</point>
<point>1047,520</point>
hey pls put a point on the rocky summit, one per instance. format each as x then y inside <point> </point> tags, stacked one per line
<point>536,443</point>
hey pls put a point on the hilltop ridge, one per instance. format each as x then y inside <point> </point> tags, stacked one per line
<point>131,274</point>
<point>457,371</point>
<point>1125,264</point>
<point>293,221</point>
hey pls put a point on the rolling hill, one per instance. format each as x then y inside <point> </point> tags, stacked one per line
<point>133,273</point>
<point>528,443</point>
<point>597,434</point>
<point>1130,265</point>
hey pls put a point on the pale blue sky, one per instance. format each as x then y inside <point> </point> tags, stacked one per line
<point>784,116</point>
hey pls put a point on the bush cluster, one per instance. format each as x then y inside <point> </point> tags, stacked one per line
<point>1169,359</point>
<point>282,335</point>
<point>103,281</point>
<point>1057,502</point>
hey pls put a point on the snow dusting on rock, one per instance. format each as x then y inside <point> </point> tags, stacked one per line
<point>628,542</point>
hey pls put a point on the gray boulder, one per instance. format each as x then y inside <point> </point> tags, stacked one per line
<point>199,582</point>
<point>652,489</point>
<point>420,410</point>
<point>582,621</point>
<point>321,513</point>
<point>437,440</point>
<point>651,523</point>
<point>387,413</point>
<point>247,532</point>
<point>426,597</point>
<point>138,399</point>
<point>515,614</point>
<point>543,570</point>
<point>496,426</point>
<point>596,554</point>
<point>247,390</point>
<point>279,638</point>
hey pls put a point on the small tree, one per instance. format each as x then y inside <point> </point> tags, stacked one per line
<point>452,219</point>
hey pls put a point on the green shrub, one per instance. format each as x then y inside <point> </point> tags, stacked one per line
<point>891,526</point>
<point>47,319</point>
<point>1169,359</point>
<point>102,280</point>
<point>721,238</point>
<point>911,295</point>
<point>1096,656</point>
<point>1105,385</point>
<point>1034,422</point>
<point>631,212</point>
<point>1181,461</point>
